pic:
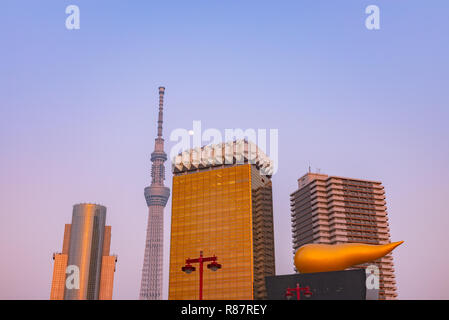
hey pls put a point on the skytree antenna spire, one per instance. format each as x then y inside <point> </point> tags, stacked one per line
<point>160,119</point>
<point>156,196</point>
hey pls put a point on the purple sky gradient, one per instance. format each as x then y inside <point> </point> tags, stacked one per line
<point>78,117</point>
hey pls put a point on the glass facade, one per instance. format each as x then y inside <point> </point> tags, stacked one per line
<point>58,282</point>
<point>86,245</point>
<point>107,277</point>
<point>85,249</point>
<point>212,212</point>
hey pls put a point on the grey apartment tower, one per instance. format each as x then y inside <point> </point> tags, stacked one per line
<point>333,210</point>
<point>156,196</point>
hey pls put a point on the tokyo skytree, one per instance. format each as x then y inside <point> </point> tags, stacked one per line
<point>156,196</point>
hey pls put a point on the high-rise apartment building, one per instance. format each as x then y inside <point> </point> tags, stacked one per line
<point>156,196</point>
<point>85,251</point>
<point>333,210</point>
<point>222,206</point>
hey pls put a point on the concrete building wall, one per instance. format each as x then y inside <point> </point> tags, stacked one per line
<point>334,210</point>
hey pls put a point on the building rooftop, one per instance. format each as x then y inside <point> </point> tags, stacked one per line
<point>311,176</point>
<point>222,154</point>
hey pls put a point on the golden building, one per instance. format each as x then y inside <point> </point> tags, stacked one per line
<point>86,247</point>
<point>222,205</point>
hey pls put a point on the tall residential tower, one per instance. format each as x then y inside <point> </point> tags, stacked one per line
<point>334,210</point>
<point>156,196</point>
<point>84,257</point>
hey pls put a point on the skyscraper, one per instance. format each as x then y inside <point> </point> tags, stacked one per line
<point>85,251</point>
<point>333,210</point>
<point>222,205</point>
<point>156,196</point>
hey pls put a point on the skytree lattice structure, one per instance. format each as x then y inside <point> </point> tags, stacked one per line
<point>156,196</point>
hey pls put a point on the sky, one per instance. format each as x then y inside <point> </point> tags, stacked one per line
<point>78,113</point>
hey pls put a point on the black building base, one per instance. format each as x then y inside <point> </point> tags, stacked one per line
<point>336,285</point>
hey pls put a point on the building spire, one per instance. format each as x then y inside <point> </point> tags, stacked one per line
<point>161,112</point>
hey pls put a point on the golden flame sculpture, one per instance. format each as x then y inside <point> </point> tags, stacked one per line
<point>315,257</point>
